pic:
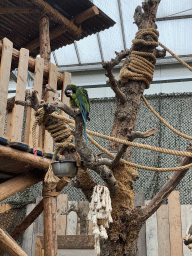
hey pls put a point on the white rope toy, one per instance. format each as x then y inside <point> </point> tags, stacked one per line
<point>100,213</point>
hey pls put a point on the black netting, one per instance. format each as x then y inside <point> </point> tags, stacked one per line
<point>175,109</point>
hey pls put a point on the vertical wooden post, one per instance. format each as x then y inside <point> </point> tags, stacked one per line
<point>49,201</point>
<point>4,80</point>
<point>175,224</point>
<point>50,211</point>
<point>45,49</point>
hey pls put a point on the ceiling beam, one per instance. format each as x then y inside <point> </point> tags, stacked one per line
<point>13,10</point>
<point>89,13</point>
<point>62,29</point>
<point>57,17</point>
<point>174,17</point>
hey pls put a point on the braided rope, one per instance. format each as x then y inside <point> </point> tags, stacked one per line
<point>59,131</point>
<point>130,143</point>
<point>139,67</point>
<point>176,57</point>
<point>163,120</point>
<point>123,161</point>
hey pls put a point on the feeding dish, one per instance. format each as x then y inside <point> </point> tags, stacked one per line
<point>65,168</point>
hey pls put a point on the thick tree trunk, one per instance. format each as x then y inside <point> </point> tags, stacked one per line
<point>123,232</point>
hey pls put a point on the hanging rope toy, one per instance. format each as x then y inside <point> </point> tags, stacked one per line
<point>100,213</point>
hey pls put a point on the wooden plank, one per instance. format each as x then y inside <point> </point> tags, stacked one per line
<point>16,185</point>
<point>27,244</point>
<point>12,10</point>
<point>142,250</point>
<point>62,205</point>
<point>30,118</point>
<point>186,219</point>
<point>17,118</point>
<point>77,253</point>
<point>72,220</point>
<point>84,208</point>
<point>39,247</point>
<point>151,235</point>
<point>74,242</point>
<point>64,99</point>
<point>4,80</point>
<point>5,208</point>
<point>175,224</point>
<point>163,231</point>
<point>8,245</point>
<point>48,141</point>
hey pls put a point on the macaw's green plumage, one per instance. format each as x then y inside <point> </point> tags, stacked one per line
<point>79,98</point>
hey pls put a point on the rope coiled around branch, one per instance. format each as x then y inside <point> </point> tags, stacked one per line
<point>139,68</point>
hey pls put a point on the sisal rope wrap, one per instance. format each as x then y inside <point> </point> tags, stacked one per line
<point>59,131</point>
<point>139,68</point>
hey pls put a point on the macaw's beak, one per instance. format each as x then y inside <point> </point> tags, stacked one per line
<point>68,93</point>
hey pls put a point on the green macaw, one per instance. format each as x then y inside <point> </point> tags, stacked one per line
<point>79,98</point>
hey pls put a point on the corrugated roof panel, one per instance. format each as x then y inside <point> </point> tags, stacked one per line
<point>66,55</point>
<point>88,49</point>
<point>111,39</point>
<point>176,35</point>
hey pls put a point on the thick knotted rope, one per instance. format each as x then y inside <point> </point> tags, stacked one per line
<point>61,134</point>
<point>163,121</point>
<point>134,144</point>
<point>139,67</point>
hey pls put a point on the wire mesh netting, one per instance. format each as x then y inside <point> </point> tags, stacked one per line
<point>175,109</point>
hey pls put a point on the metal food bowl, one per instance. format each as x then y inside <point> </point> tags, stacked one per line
<point>65,168</point>
<point>103,155</point>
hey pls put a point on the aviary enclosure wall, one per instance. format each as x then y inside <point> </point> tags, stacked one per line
<point>175,109</point>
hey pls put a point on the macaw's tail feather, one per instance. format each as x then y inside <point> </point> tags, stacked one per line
<point>85,134</point>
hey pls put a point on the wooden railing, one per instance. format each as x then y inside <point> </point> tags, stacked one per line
<point>15,115</point>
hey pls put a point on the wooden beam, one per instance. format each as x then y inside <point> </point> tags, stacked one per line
<point>91,12</point>
<point>13,10</point>
<point>8,245</point>
<point>31,66</point>
<point>24,158</point>
<point>18,111</point>
<point>53,34</point>
<point>74,242</point>
<point>20,228</point>
<point>4,79</point>
<point>16,185</point>
<point>57,17</point>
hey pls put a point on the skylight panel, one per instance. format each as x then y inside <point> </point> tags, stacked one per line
<point>111,39</point>
<point>175,35</point>
<point>66,55</point>
<point>88,49</point>
<point>170,7</point>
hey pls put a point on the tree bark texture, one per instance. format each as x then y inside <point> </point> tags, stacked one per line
<point>45,48</point>
<point>50,211</point>
<point>123,232</point>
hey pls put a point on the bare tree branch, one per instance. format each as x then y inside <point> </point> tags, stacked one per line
<point>108,66</point>
<point>138,134</point>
